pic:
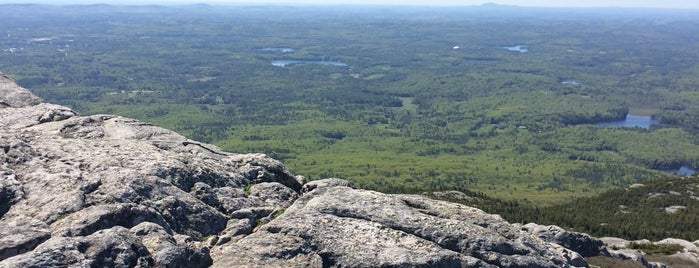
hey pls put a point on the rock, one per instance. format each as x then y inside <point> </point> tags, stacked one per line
<point>657,265</point>
<point>57,114</point>
<point>206,194</point>
<point>618,249</point>
<point>574,258</point>
<point>13,96</point>
<point>11,191</point>
<point>688,246</point>
<point>21,235</point>
<point>260,168</point>
<point>581,243</point>
<point>337,226</point>
<point>273,194</point>
<point>637,256</point>
<point>166,251</point>
<point>690,258</point>
<point>236,228</point>
<point>232,199</point>
<point>301,179</point>
<point>641,241</point>
<point>187,216</point>
<point>674,209</point>
<point>332,182</point>
<point>109,191</point>
<point>454,195</point>
<point>614,242</point>
<point>629,254</point>
<point>98,217</point>
<point>114,247</point>
<point>654,195</point>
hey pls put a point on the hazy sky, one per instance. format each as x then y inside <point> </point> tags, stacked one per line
<point>545,3</point>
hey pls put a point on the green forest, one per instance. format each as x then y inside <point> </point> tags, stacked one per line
<point>497,100</point>
<point>638,212</point>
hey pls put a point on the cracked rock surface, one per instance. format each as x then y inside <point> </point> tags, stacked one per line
<point>337,226</point>
<point>109,191</point>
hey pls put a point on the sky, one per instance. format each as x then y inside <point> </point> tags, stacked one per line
<point>541,3</point>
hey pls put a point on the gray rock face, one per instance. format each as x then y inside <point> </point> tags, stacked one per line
<point>310,186</point>
<point>108,191</point>
<point>114,247</point>
<point>454,195</point>
<point>21,235</point>
<point>630,254</point>
<point>581,243</point>
<point>337,226</point>
<point>105,191</point>
<point>14,96</point>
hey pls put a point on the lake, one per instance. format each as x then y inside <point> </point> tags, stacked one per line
<point>631,121</point>
<point>520,49</point>
<point>284,63</point>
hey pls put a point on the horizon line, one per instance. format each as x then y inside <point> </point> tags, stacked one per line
<point>291,3</point>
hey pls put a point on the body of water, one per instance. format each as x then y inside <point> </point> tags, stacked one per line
<point>277,49</point>
<point>284,63</point>
<point>641,121</point>
<point>685,171</point>
<point>631,121</point>
<point>520,49</point>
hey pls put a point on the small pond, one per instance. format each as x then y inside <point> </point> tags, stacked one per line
<point>685,171</point>
<point>631,121</point>
<point>520,49</point>
<point>284,63</point>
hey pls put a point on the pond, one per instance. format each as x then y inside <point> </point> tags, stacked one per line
<point>685,171</point>
<point>520,48</point>
<point>284,63</point>
<point>277,49</point>
<point>631,121</point>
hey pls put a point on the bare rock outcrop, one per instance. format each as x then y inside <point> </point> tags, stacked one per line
<point>333,225</point>
<point>104,190</point>
<point>109,191</point>
<point>581,243</point>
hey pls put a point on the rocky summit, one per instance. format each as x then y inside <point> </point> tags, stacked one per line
<point>109,191</point>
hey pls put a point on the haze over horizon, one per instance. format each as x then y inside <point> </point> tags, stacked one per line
<point>682,4</point>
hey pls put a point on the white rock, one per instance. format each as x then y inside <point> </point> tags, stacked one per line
<point>688,246</point>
